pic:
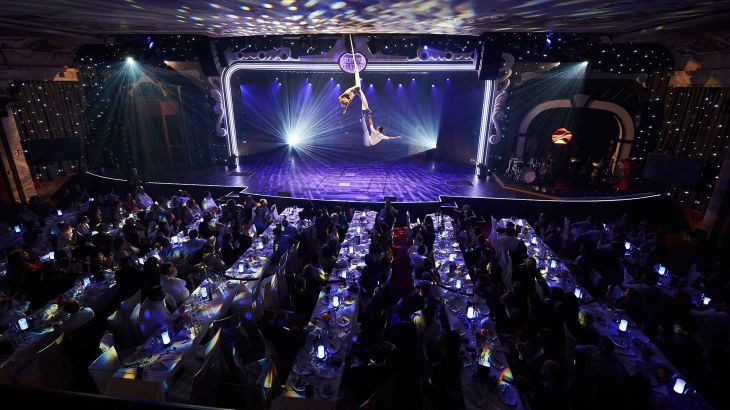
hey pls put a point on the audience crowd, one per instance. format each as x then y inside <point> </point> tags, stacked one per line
<point>406,355</point>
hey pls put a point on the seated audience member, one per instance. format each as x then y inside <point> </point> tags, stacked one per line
<point>153,313</point>
<point>78,316</point>
<point>143,200</point>
<point>208,203</point>
<point>128,278</point>
<point>83,228</point>
<point>229,251</point>
<point>172,285</point>
<point>10,311</point>
<point>194,243</point>
<point>582,330</point>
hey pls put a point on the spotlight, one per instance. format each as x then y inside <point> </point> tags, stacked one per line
<point>130,60</point>
<point>293,140</point>
<point>585,63</point>
<point>433,85</point>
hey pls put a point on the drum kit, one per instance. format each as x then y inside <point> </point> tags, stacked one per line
<point>529,172</point>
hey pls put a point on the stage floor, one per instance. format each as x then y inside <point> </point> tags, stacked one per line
<point>412,179</point>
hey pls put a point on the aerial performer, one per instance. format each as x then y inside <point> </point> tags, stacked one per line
<point>371,135</point>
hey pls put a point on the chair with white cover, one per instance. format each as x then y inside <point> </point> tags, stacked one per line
<point>505,261</point>
<point>199,383</point>
<point>564,234</point>
<point>124,331</point>
<point>249,304</point>
<point>103,368</point>
<point>234,339</point>
<point>493,232</point>
<point>261,384</point>
<point>54,366</point>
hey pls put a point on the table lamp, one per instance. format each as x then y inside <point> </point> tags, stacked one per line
<point>165,338</point>
<point>578,293</point>
<point>623,325</point>
<point>679,386</point>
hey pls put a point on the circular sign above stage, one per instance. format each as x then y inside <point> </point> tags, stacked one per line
<point>347,63</point>
<point>562,136</point>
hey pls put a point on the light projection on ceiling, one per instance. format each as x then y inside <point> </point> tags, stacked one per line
<point>239,18</point>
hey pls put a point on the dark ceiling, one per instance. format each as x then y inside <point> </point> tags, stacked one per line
<point>240,18</point>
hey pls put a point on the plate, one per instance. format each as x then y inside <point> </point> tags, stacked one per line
<point>326,391</point>
<point>302,369</point>
<point>508,394</point>
<point>333,346</point>
<point>298,387</point>
<point>620,342</point>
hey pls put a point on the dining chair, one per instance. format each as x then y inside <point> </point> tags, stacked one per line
<point>233,338</point>
<point>103,368</point>
<point>54,366</point>
<point>565,233</point>
<point>199,383</point>
<point>132,327</point>
<point>128,305</point>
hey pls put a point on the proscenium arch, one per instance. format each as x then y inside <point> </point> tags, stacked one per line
<point>626,127</point>
<point>317,67</point>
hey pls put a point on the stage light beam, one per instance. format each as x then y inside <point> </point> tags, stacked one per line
<point>130,60</point>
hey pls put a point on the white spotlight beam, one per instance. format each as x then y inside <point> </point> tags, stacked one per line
<point>322,67</point>
<point>485,125</point>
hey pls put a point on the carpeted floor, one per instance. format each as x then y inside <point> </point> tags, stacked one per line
<point>401,280</point>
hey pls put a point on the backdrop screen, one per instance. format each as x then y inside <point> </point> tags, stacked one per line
<point>274,109</point>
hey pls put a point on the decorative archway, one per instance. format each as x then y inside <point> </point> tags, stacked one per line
<point>626,126</point>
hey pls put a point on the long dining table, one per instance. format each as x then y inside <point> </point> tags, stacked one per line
<point>316,377</point>
<point>634,351</point>
<point>481,351</point>
<point>92,291</point>
<point>150,370</point>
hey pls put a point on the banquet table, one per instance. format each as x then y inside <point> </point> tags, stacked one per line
<point>637,354</point>
<point>320,364</point>
<point>634,351</point>
<point>151,368</point>
<point>256,259</point>
<point>551,267</point>
<point>456,291</point>
<point>11,237</point>
<point>89,291</point>
<point>190,322</point>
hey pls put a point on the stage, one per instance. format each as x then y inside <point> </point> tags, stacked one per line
<point>411,179</point>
